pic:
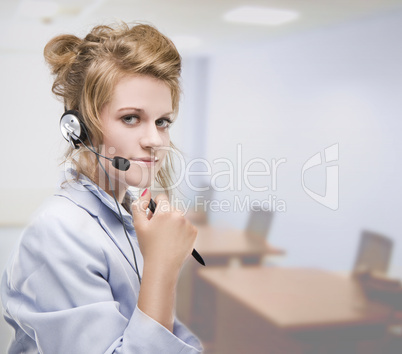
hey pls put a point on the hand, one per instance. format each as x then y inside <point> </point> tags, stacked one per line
<point>165,238</point>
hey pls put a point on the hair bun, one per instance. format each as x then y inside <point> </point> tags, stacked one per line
<point>61,51</point>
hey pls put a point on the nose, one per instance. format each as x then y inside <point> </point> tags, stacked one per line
<point>151,137</point>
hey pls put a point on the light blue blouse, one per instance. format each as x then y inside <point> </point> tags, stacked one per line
<point>71,287</point>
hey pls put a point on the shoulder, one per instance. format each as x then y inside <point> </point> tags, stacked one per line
<point>71,205</point>
<point>61,226</point>
<point>59,207</point>
<point>60,252</point>
<point>62,214</point>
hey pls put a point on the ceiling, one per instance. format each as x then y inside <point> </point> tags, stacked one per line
<point>197,19</point>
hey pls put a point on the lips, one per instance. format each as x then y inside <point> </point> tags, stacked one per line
<point>145,159</point>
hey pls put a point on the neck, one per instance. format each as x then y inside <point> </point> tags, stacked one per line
<point>119,191</point>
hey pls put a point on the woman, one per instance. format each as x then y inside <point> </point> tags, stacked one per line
<point>89,276</point>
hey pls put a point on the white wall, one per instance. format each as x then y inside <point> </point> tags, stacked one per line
<point>189,132</point>
<point>293,97</point>
<point>30,139</point>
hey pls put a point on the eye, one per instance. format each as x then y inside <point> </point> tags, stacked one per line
<point>130,119</point>
<point>163,123</point>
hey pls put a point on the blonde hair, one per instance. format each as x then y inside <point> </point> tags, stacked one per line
<point>87,70</point>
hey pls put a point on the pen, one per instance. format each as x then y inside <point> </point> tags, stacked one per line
<point>195,254</point>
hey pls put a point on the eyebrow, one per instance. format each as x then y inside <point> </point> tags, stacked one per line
<point>130,109</point>
<point>140,110</point>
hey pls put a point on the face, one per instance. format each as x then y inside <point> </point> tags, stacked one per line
<point>136,126</point>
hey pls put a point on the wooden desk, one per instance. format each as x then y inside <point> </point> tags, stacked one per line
<point>224,243</point>
<point>286,311</point>
<point>217,246</point>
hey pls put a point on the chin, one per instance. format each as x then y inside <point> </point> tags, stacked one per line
<point>140,184</point>
<point>138,181</point>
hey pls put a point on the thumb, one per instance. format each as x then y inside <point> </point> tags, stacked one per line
<point>140,206</point>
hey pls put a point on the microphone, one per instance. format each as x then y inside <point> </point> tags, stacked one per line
<point>118,162</point>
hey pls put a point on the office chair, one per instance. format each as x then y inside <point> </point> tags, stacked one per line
<point>258,225</point>
<point>200,213</point>
<point>374,253</point>
<point>259,222</point>
<point>371,265</point>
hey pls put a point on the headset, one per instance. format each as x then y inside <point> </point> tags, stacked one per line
<point>76,133</point>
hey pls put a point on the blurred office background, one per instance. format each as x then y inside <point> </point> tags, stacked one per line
<point>330,75</point>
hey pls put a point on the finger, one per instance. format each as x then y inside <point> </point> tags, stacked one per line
<point>162,204</point>
<point>140,206</point>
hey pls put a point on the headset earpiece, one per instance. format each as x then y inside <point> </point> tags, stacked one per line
<point>71,127</point>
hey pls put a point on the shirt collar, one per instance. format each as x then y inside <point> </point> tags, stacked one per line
<point>105,198</point>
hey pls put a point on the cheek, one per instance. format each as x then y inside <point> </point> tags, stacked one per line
<point>165,137</point>
<point>166,147</point>
<point>121,142</point>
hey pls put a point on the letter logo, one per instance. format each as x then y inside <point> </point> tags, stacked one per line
<point>331,197</point>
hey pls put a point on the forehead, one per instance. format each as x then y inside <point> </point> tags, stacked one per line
<point>143,92</point>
